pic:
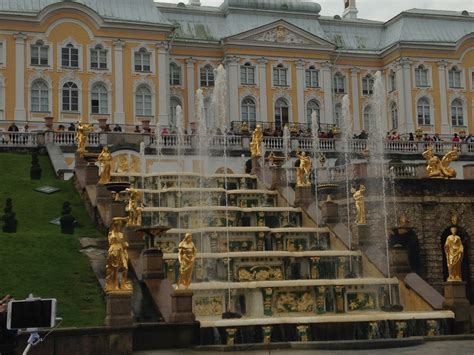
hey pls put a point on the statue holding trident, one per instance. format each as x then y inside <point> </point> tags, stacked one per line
<point>82,129</point>
<point>359,199</point>
<point>256,143</point>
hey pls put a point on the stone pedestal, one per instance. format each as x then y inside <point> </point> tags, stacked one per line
<point>152,264</point>
<point>134,238</point>
<point>329,211</point>
<point>103,195</point>
<point>363,235</point>
<point>117,209</point>
<point>119,309</point>
<point>182,307</point>
<point>256,168</point>
<point>79,161</point>
<point>91,176</point>
<point>399,261</point>
<point>456,301</point>
<point>278,177</point>
<point>303,196</point>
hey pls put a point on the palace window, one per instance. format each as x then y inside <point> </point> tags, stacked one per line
<point>457,113</point>
<point>421,76</point>
<point>70,56</point>
<point>455,75</point>
<point>174,103</point>
<point>339,83</point>
<point>98,57</point>
<point>143,103</point>
<point>394,115</point>
<point>313,106</point>
<point>247,74</point>
<point>392,82</point>
<point>207,76</point>
<point>280,75</point>
<point>142,61</point>
<point>368,117</point>
<point>249,111</point>
<point>39,96</point>
<point>70,97</point>
<point>39,53</point>
<point>281,113</point>
<point>1,52</point>
<point>338,115</point>
<point>99,99</point>
<point>423,111</point>
<point>312,77</point>
<point>368,85</point>
<point>175,74</point>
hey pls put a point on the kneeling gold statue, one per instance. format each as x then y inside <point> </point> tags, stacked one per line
<point>454,253</point>
<point>117,259</point>
<point>187,256</point>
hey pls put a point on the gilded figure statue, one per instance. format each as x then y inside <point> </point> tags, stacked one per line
<point>454,253</point>
<point>105,161</point>
<point>304,170</point>
<point>117,259</point>
<point>359,199</point>
<point>134,207</point>
<point>82,129</point>
<point>256,144</point>
<point>437,168</point>
<point>122,165</point>
<point>187,257</point>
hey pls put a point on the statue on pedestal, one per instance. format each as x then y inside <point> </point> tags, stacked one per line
<point>454,253</point>
<point>256,143</point>
<point>82,129</point>
<point>186,256</point>
<point>359,199</point>
<point>117,259</point>
<point>134,207</point>
<point>437,168</point>
<point>105,160</point>
<point>303,172</point>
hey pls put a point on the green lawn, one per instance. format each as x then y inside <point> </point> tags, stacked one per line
<point>39,259</point>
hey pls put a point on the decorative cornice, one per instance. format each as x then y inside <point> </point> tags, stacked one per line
<point>20,36</point>
<point>119,43</point>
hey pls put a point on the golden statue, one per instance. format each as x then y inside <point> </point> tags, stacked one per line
<point>187,256</point>
<point>117,259</point>
<point>122,165</point>
<point>454,253</point>
<point>105,160</point>
<point>134,207</point>
<point>359,199</point>
<point>440,168</point>
<point>82,129</point>
<point>303,172</point>
<point>256,144</point>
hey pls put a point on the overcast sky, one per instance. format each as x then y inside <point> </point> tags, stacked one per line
<point>381,10</point>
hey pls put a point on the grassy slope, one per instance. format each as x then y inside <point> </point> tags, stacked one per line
<point>39,259</point>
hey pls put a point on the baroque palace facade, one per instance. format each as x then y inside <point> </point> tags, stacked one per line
<point>133,61</point>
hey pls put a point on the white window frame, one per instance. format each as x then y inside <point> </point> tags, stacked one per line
<point>143,112</point>
<point>40,107</point>
<point>70,46</point>
<point>471,78</point>
<point>100,107</point>
<point>367,85</point>
<point>310,112</point>
<point>283,71</point>
<point>204,69</point>
<point>3,53</point>
<point>368,116</point>
<point>177,69</point>
<point>289,106</point>
<point>41,47</point>
<point>245,69</point>
<point>427,69</point>
<point>312,78</point>
<point>394,114</point>
<point>338,114</point>
<point>173,117</point>
<point>152,60</point>
<point>430,112</point>
<point>455,119</point>
<point>451,78</point>
<point>79,102</point>
<point>342,79</point>
<point>245,113</point>
<point>392,81</point>
<point>100,47</point>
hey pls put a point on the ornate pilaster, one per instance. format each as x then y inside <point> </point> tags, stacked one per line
<point>163,83</point>
<point>119,115</point>
<point>20,112</point>
<point>300,84</point>
<point>328,89</point>
<point>190,88</point>
<point>262,83</point>
<point>406,106</point>
<point>233,82</point>
<point>445,126</point>
<point>355,100</point>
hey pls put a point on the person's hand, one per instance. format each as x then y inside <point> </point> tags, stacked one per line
<point>4,303</point>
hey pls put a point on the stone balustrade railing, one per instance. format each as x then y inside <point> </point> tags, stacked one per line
<point>236,143</point>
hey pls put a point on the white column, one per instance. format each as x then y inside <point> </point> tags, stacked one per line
<point>355,100</point>
<point>328,90</point>
<point>190,88</point>
<point>233,82</point>
<point>445,126</point>
<point>163,83</point>
<point>119,115</point>
<point>300,83</point>
<point>405,94</point>
<point>20,112</point>
<point>262,83</point>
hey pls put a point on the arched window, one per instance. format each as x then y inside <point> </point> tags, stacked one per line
<point>312,77</point>
<point>394,115</point>
<point>313,106</point>
<point>421,76</point>
<point>99,99</point>
<point>423,111</point>
<point>338,115</point>
<point>280,75</point>
<point>70,56</point>
<point>281,113</point>
<point>142,59</point>
<point>457,113</point>
<point>392,82</point>
<point>175,74</point>
<point>70,97</point>
<point>39,53</point>
<point>247,74</point>
<point>249,111</point>
<point>207,76</point>
<point>174,103</point>
<point>143,106</point>
<point>368,117</point>
<point>39,96</point>
<point>98,57</point>
<point>339,83</point>
<point>455,78</point>
<point>367,85</point>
